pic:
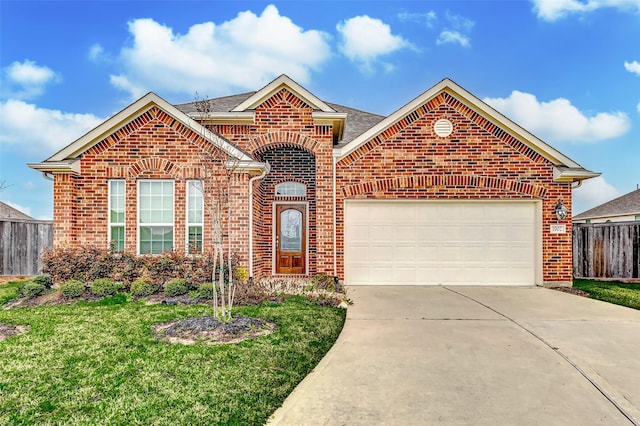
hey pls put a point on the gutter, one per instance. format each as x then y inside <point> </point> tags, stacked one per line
<point>251,181</point>
<point>335,245</point>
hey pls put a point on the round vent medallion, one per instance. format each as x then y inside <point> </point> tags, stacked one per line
<point>443,127</point>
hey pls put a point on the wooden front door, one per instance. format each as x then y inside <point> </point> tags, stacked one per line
<point>291,238</point>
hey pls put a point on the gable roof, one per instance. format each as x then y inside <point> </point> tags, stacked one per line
<point>566,169</point>
<point>222,110</point>
<point>8,212</point>
<point>67,159</point>
<point>628,204</point>
<point>357,121</point>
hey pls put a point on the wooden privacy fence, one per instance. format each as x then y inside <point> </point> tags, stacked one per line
<point>21,245</point>
<point>606,250</point>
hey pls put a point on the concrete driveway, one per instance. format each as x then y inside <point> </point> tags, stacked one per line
<point>474,356</point>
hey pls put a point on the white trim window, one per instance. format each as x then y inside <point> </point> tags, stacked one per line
<point>155,216</point>
<point>116,214</point>
<point>291,189</point>
<point>195,216</point>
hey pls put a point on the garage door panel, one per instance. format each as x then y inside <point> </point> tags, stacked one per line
<point>414,242</point>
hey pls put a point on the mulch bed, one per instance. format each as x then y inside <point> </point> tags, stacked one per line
<point>210,330</point>
<point>572,290</point>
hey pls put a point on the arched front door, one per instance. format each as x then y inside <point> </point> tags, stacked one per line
<point>291,238</point>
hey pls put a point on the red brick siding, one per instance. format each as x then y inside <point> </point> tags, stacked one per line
<point>153,146</point>
<point>477,161</point>
<point>285,122</point>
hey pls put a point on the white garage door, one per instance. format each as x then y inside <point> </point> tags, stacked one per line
<point>449,243</point>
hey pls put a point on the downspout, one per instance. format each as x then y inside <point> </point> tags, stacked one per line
<point>253,179</point>
<point>335,245</point>
<point>46,176</point>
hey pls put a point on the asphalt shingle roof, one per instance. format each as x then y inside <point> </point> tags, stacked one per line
<point>627,204</point>
<point>356,124</point>
<point>8,212</point>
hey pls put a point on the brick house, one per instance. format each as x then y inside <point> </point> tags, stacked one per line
<point>445,190</point>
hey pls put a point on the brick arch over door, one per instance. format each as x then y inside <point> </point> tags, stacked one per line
<point>269,141</point>
<point>429,181</point>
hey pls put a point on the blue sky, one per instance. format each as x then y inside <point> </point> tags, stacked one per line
<point>566,70</point>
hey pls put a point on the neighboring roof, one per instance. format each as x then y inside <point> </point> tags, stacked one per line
<point>8,212</point>
<point>566,168</point>
<point>628,204</point>
<point>66,160</point>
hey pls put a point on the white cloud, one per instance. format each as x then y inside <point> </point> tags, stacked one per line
<point>365,39</point>
<point>552,10</point>
<point>638,107</point>
<point>244,53</point>
<point>559,120</point>
<point>429,19</point>
<point>457,31</point>
<point>633,67</point>
<point>448,36</point>
<point>26,80</point>
<point>38,130</point>
<point>592,193</point>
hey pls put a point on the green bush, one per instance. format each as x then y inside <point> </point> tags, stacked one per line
<point>143,287</point>
<point>104,287</point>
<point>45,280</point>
<point>176,287</point>
<point>31,289</point>
<point>72,288</point>
<point>205,291</point>
<point>323,282</point>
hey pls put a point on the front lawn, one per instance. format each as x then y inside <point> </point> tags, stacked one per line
<point>8,291</point>
<point>611,291</point>
<point>98,363</point>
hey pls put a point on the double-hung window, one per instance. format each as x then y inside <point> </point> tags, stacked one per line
<point>155,216</point>
<point>116,214</point>
<point>195,221</point>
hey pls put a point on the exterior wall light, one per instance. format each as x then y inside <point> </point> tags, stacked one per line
<point>560,210</point>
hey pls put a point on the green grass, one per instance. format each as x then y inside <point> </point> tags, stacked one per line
<point>611,291</point>
<point>93,363</point>
<point>8,291</point>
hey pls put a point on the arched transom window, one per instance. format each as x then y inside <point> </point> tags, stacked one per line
<point>291,189</point>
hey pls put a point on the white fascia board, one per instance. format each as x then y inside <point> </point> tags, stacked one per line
<point>479,106</point>
<point>283,81</point>
<point>142,105</point>
<point>572,174</point>
<point>57,166</point>
<point>247,166</point>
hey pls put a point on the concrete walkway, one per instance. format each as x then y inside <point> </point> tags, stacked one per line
<point>474,356</point>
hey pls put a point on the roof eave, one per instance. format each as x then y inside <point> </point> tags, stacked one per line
<point>564,174</point>
<point>251,167</point>
<point>54,167</point>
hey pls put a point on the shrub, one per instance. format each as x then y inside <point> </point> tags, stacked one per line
<point>143,287</point>
<point>31,289</point>
<point>323,282</point>
<point>205,291</point>
<point>176,287</point>
<point>104,287</point>
<point>45,280</point>
<point>72,288</point>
